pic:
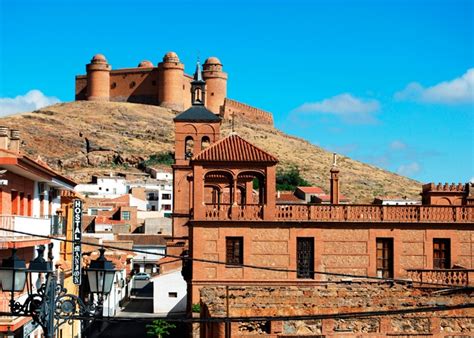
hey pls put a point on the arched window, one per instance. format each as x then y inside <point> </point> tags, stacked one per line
<point>189,145</point>
<point>205,142</point>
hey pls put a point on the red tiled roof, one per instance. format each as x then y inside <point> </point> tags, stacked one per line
<point>233,148</point>
<point>327,198</point>
<point>311,190</point>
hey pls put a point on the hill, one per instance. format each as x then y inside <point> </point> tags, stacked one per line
<point>84,138</point>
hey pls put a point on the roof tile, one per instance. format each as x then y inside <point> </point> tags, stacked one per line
<point>233,148</point>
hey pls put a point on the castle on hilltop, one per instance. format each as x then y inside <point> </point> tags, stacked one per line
<point>166,85</point>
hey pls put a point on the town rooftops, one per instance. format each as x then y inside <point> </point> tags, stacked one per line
<point>197,114</point>
<point>234,148</point>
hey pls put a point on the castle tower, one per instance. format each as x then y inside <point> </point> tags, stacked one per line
<point>98,79</point>
<point>334,183</point>
<point>171,75</point>
<point>216,83</point>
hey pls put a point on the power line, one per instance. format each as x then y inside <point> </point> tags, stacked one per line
<point>344,315</point>
<point>250,266</point>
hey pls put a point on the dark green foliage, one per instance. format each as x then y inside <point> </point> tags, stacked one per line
<point>289,179</point>
<point>166,158</point>
<point>196,308</point>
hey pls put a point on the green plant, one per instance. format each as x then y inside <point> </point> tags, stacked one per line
<point>159,328</point>
<point>290,179</point>
<point>196,307</point>
<point>166,158</point>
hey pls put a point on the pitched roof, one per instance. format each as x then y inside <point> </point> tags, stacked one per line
<point>197,114</point>
<point>311,190</point>
<point>233,148</point>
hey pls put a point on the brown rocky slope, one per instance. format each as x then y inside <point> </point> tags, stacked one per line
<point>83,138</point>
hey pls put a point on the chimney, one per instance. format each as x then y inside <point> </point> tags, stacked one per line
<point>4,139</point>
<point>15,140</point>
<point>334,183</point>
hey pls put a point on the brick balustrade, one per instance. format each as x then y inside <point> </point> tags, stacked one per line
<point>455,277</point>
<point>347,213</point>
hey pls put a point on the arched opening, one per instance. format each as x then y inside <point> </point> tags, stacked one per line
<point>253,187</point>
<point>188,147</point>
<point>205,142</point>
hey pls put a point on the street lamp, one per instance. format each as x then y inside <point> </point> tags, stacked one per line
<point>51,301</point>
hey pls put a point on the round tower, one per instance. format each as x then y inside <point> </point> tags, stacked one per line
<point>216,84</point>
<point>98,79</point>
<point>171,75</point>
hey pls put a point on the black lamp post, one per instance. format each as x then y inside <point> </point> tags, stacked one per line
<point>51,302</point>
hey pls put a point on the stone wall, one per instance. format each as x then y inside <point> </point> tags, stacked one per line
<point>245,112</point>
<point>334,298</point>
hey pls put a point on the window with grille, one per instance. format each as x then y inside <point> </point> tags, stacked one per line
<point>126,215</point>
<point>305,257</point>
<point>234,250</point>
<point>385,257</point>
<point>441,253</point>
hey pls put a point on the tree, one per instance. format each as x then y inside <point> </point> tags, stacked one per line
<point>290,179</point>
<point>159,328</point>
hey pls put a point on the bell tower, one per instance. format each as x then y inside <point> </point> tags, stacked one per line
<point>195,129</point>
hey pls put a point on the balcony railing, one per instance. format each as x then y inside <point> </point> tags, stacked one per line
<point>375,213</point>
<point>346,213</point>
<point>40,226</point>
<point>454,277</point>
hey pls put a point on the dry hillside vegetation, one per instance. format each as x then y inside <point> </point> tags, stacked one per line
<point>84,138</point>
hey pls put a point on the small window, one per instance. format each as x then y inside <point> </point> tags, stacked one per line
<point>132,84</point>
<point>212,94</point>
<point>126,215</point>
<point>385,257</point>
<point>441,253</point>
<point>94,212</point>
<point>172,294</point>
<point>166,207</point>
<point>113,85</point>
<point>305,257</point>
<point>234,250</point>
<point>166,196</point>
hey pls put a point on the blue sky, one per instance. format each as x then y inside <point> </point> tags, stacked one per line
<point>385,82</point>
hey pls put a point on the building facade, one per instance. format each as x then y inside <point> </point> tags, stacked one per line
<point>33,200</point>
<point>262,258</point>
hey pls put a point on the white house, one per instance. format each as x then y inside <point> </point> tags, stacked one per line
<point>169,293</point>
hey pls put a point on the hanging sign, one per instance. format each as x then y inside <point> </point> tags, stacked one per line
<point>76,245</point>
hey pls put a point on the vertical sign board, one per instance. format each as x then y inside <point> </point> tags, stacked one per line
<point>76,244</point>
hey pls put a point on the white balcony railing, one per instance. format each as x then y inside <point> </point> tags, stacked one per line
<point>35,225</point>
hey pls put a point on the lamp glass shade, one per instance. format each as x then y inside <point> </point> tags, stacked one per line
<point>12,280</point>
<point>101,281</point>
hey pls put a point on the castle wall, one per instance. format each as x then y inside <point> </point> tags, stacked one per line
<point>165,85</point>
<point>139,85</point>
<point>246,112</point>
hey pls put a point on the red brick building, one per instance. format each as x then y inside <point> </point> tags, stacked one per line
<point>311,259</point>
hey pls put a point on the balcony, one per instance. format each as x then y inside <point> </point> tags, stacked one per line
<point>40,226</point>
<point>447,277</point>
<point>345,213</point>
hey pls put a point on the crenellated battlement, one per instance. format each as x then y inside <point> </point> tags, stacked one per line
<point>165,84</point>
<point>246,112</point>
